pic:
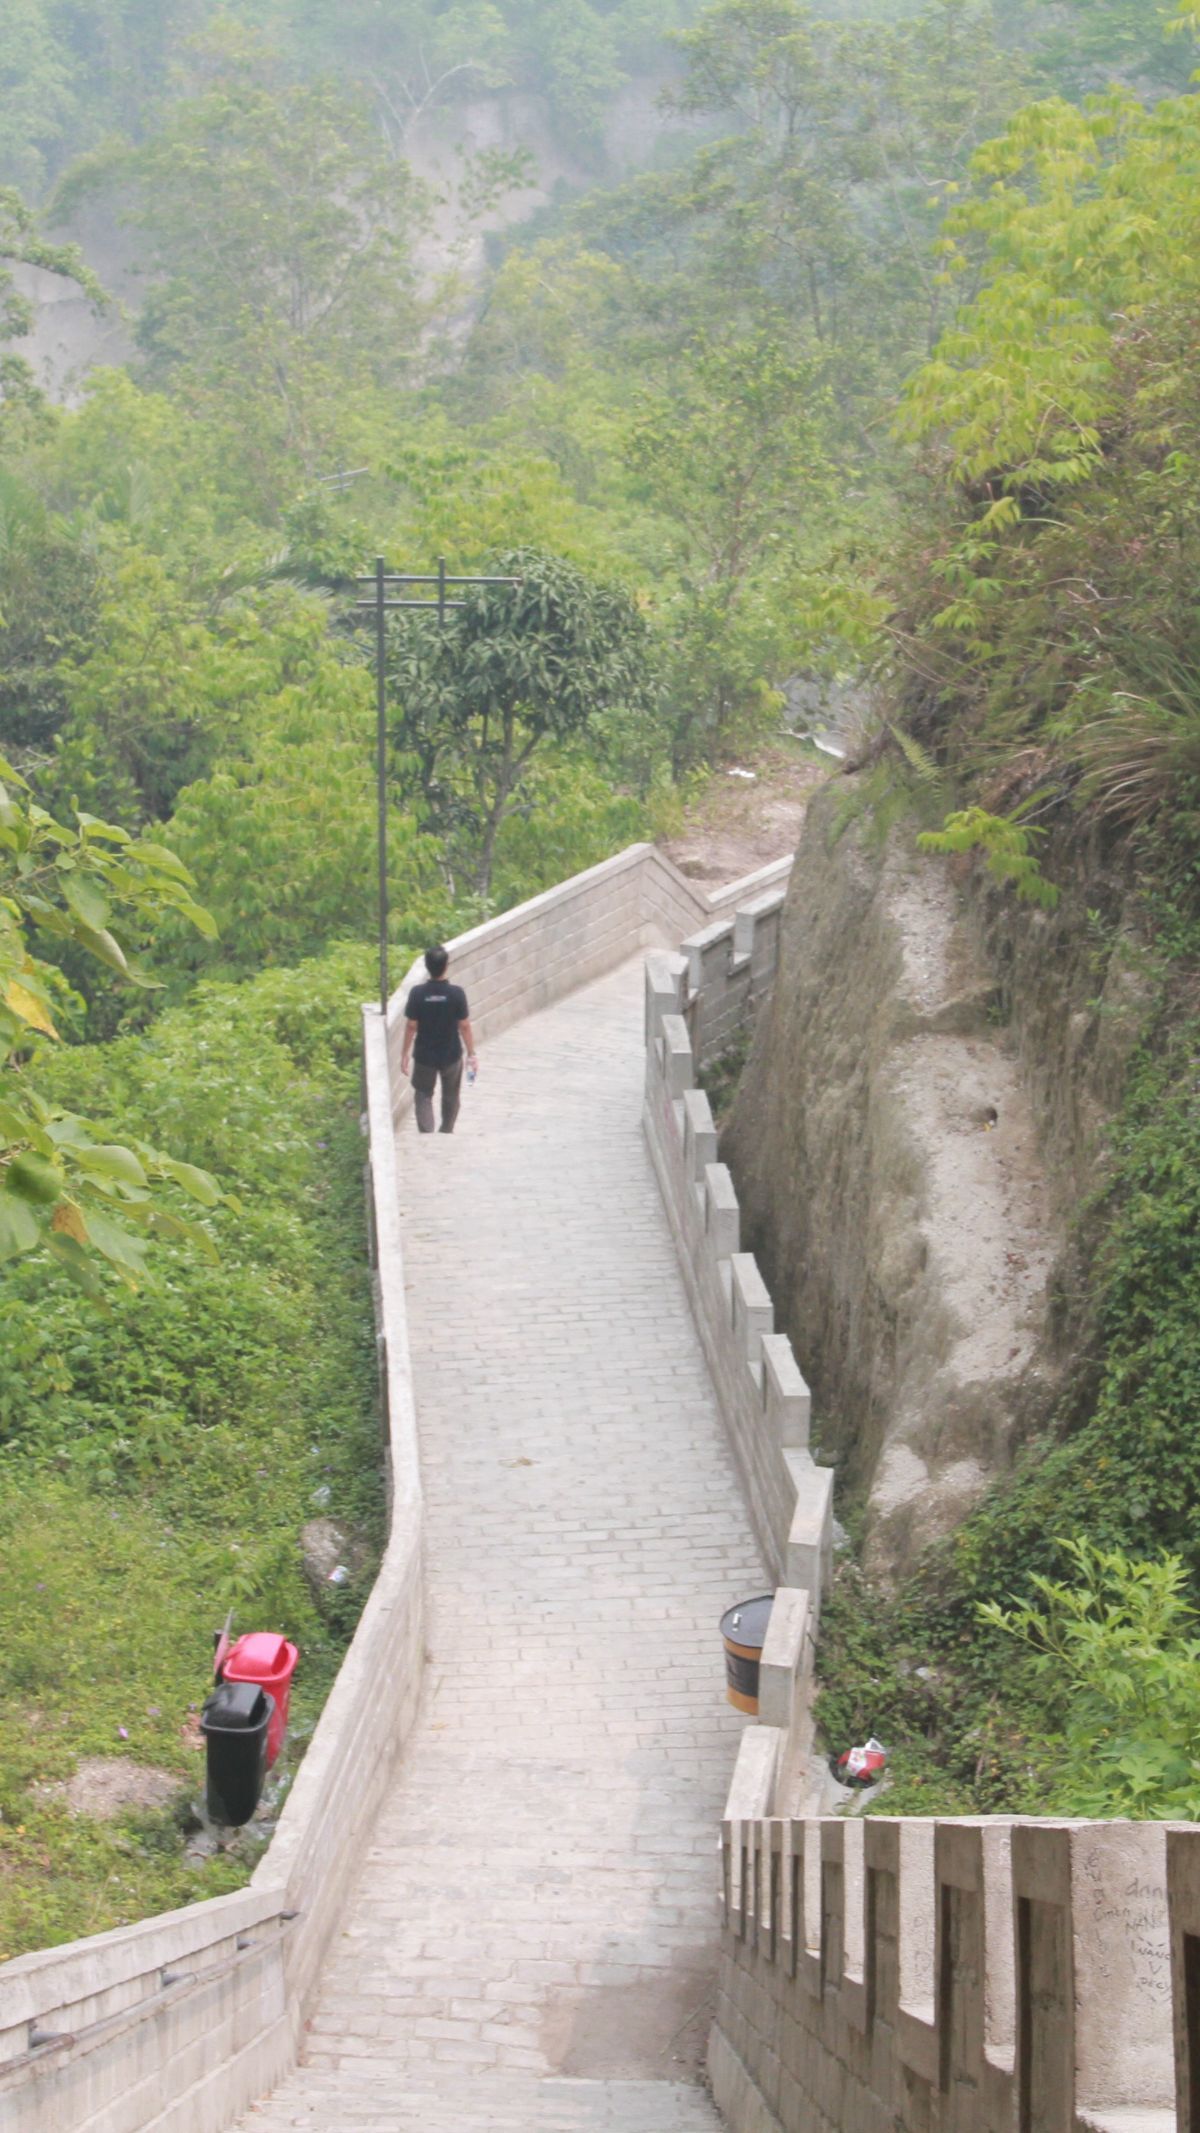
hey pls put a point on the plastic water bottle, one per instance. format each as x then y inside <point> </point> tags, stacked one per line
<point>472,1070</point>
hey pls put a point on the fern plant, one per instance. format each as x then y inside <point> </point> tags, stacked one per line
<point>1006,843</point>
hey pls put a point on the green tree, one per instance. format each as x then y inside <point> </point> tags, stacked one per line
<point>735,451</point>
<point>36,100</point>
<point>521,664</point>
<point>410,54</point>
<point>48,587</point>
<point>279,236</point>
<point>1088,45</point>
<point>826,199</point>
<point>1078,222</point>
<point>282,837</point>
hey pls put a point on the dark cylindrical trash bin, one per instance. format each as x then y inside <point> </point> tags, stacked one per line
<point>744,1629</point>
<point>234,1723</point>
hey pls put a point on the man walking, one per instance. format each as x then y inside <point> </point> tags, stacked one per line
<point>436,1015</point>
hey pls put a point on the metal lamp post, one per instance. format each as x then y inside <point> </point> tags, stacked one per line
<point>385,590</point>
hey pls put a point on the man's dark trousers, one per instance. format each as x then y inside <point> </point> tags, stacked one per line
<point>425,1080</point>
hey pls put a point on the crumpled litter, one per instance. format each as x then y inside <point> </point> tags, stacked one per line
<point>862,1766</point>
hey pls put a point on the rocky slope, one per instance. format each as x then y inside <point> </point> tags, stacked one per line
<point>921,1115</point>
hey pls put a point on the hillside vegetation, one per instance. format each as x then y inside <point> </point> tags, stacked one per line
<point>884,360</point>
<point>1044,656</point>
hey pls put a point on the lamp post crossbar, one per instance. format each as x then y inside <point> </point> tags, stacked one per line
<point>434,606</point>
<point>380,581</point>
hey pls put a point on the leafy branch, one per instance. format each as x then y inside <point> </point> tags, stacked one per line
<point>64,1186</point>
<point>1006,843</point>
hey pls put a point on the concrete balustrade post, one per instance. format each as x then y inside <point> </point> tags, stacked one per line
<point>1093,1969</point>
<point>699,1135</point>
<point>707,953</point>
<point>753,1311</point>
<point>784,1652</point>
<point>1183,1891</point>
<point>810,1537</point>
<point>1123,1995</point>
<point>899,1951</point>
<point>786,1400</point>
<point>973,1967</point>
<point>664,990</point>
<point>722,1217</point>
<point>676,1052</point>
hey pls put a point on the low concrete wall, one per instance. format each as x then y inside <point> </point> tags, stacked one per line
<point>174,2025</point>
<point>888,1976</point>
<point>763,1397</point>
<point>731,966</point>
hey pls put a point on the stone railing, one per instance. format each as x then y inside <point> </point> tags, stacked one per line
<point>763,1397</point>
<point>175,2024</point>
<point>889,1976</point>
<point>731,965</point>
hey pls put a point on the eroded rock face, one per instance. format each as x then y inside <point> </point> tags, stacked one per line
<point>887,1159</point>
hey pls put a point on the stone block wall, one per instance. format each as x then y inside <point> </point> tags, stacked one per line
<point>763,1397</point>
<point>989,1976</point>
<point>731,965</point>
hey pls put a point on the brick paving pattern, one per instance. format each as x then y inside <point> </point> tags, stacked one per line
<point>532,1945</point>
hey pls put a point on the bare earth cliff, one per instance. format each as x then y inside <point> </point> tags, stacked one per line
<point>920,1113</point>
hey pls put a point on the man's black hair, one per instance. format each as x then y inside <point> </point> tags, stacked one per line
<point>436,960</point>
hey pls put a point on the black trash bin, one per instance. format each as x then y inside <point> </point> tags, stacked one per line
<point>744,1629</point>
<point>234,1723</point>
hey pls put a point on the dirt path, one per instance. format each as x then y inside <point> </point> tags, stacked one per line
<point>739,823</point>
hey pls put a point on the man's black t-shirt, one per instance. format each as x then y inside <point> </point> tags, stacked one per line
<point>437,1008</point>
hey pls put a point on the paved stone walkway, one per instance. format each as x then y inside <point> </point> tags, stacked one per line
<point>532,1944</point>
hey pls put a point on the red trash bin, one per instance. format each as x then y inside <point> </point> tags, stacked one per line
<point>270,1661</point>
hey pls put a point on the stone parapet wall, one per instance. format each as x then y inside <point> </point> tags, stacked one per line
<point>731,965</point>
<point>989,1976</point>
<point>175,2024</point>
<point>764,1399</point>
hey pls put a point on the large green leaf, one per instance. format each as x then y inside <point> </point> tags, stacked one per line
<point>101,943</point>
<point>34,1179</point>
<point>166,861</point>
<point>122,1250</point>
<point>195,1181</point>
<point>19,1231</point>
<point>111,831</point>
<point>109,1160</point>
<point>87,900</point>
